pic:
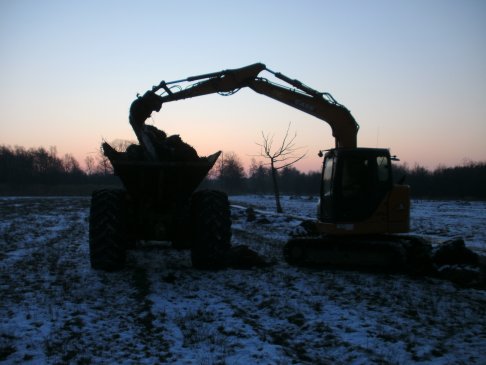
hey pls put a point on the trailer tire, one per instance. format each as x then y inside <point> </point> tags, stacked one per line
<point>108,230</point>
<point>211,233</point>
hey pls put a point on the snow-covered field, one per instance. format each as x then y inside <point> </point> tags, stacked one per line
<point>55,309</point>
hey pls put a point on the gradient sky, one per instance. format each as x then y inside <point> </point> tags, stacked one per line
<point>413,73</point>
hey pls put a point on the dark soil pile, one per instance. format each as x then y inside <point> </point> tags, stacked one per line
<point>167,148</point>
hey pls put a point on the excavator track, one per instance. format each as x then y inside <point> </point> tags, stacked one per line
<point>381,253</point>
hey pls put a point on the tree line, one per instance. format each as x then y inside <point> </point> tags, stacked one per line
<point>21,169</point>
<point>229,175</point>
<point>467,181</point>
<point>41,171</point>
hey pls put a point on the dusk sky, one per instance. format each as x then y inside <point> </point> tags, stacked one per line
<point>413,73</point>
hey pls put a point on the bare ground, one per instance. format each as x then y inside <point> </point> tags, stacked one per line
<point>56,309</point>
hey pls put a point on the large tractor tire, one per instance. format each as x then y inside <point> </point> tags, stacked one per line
<point>211,223</point>
<point>108,230</point>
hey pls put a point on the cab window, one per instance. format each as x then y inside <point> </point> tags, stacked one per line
<point>383,169</point>
<point>327,176</point>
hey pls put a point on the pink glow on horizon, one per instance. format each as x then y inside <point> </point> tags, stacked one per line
<point>412,73</point>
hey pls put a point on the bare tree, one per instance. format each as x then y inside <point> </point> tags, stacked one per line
<point>103,166</point>
<point>89,161</point>
<point>71,165</point>
<point>283,156</point>
<point>231,173</point>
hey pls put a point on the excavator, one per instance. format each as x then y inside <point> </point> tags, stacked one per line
<point>362,216</point>
<point>360,211</point>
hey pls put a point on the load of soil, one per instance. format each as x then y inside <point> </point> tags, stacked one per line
<point>168,148</point>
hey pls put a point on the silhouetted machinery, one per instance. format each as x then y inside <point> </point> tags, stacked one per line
<point>360,206</point>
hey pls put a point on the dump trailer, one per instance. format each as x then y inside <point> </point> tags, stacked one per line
<point>159,202</point>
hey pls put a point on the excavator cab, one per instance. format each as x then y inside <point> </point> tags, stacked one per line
<point>358,195</point>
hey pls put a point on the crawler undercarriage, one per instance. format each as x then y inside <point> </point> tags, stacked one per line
<point>389,253</point>
<point>450,260</point>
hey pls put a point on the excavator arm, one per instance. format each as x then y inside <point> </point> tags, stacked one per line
<point>321,105</point>
<point>343,125</point>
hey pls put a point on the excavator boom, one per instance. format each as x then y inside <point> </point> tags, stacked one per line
<point>343,125</point>
<point>321,105</point>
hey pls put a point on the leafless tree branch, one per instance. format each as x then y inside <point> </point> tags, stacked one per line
<point>283,156</point>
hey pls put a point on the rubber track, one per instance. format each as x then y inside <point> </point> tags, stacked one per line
<point>370,253</point>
